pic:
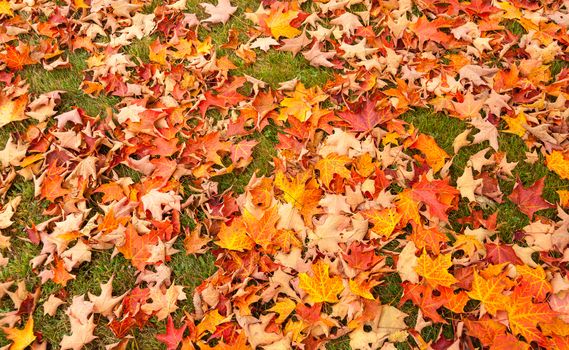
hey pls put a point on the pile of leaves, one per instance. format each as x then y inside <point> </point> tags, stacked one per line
<point>358,199</point>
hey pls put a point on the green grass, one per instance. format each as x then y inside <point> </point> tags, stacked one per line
<point>68,80</point>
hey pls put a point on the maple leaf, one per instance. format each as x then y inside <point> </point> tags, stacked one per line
<point>366,118</point>
<point>407,207</point>
<point>17,58</point>
<point>528,199</point>
<point>321,288</point>
<point>318,58</point>
<point>524,317</point>
<point>486,329</point>
<point>426,30</point>
<point>263,230</point>
<point>278,22</point>
<point>429,238</point>
<point>534,281</point>
<point>559,163</point>
<point>469,108</point>
<point>501,253</point>
<point>283,308</point>
<point>332,164</point>
<point>361,256</point>
<point>164,302</point>
<point>134,248</point>
<point>437,194</point>
<point>384,221</point>
<point>435,271</point>
<point>466,184</point>
<point>12,110</point>
<point>81,334</point>
<point>209,323</point>
<point>219,13</point>
<point>301,191</point>
<point>5,8</point>
<point>173,336</point>
<point>362,285</point>
<point>489,292</point>
<point>435,156</point>
<point>234,237</point>
<point>60,274</point>
<point>455,302</point>
<point>105,302</point>
<point>21,338</point>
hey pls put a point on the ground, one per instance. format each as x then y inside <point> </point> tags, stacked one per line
<point>190,270</point>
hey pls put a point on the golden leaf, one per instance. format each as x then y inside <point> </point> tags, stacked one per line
<point>321,288</point>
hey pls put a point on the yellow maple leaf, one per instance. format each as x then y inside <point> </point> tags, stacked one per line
<point>234,237</point>
<point>384,221</point>
<point>21,338</point>
<point>516,125</point>
<point>283,308</point>
<point>301,191</point>
<point>489,292</point>
<point>435,271</point>
<point>361,286</point>
<point>332,164</point>
<point>302,103</point>
<point>262,231</point>
<point>5,8</point>
<point>365,166</point>
<point>469,244</point>
<point>558,163</point>
<point>279,24</point>
<point>209,323</point>
<point>407,207</point>
<point>295,329</point>
<point>321,288</point>
<point>563,198</point>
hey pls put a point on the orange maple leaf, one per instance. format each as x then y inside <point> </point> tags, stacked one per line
<point>332,164</point>
<point>435,271</point>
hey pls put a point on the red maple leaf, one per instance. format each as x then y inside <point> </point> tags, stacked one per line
<point>361,256</point>
<point>173,335</point>
<point>436,194</point>
<point>501,253</point>
<point>366,118</point>
<point>529,199</point>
